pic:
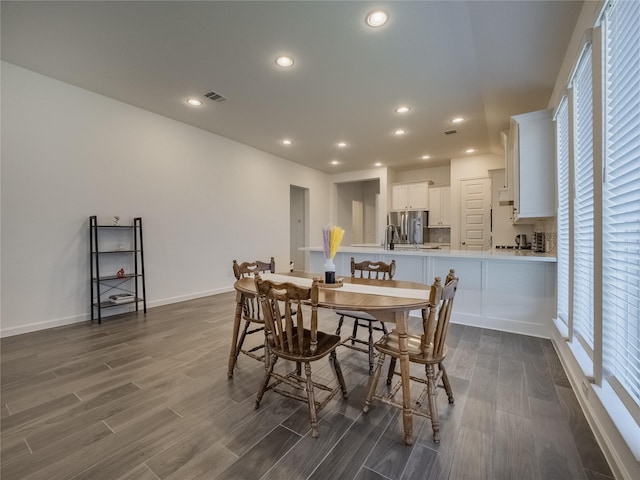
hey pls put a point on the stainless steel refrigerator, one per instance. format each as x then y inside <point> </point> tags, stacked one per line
<point>411,225</point>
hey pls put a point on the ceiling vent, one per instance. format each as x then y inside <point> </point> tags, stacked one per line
<point>450,132</point>
<point>216,97</point>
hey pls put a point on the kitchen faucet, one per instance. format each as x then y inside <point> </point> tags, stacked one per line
<point>388,239</point>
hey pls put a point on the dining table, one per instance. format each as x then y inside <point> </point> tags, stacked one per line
<point>389,301</point>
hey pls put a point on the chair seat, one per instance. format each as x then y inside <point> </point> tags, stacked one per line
<point>389,345</point>
<point>326,343</point>
<point>357,314</point>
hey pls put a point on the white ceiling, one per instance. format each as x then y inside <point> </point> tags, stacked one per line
<point>482,60</point>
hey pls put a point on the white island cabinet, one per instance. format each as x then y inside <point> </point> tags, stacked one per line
<point>511,291</point>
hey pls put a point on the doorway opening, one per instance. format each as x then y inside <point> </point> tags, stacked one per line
<point>357,211</point>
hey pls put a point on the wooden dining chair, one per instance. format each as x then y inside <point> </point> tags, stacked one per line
<point>293,337</point>
<point>427,348</point>
<point>366,269</point>
<point>251,309</point>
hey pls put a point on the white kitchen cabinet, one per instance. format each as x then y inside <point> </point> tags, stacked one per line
<point>410,196</point>
<point>439,207</point>
<point>531,166</point>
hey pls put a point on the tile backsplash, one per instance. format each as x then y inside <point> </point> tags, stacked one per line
<point>438,235</point>
<point>550,229</point>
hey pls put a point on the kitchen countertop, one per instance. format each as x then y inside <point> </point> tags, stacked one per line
<point>507,255</point>
<point>404,246</point>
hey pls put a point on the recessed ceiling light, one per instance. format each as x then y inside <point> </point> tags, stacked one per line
<point>457,120</point>
<point>342,144</point>
<point>377,18</point>
<point>400,132</point>
<point>284,61</point>
<point>402,109</point>
<point>194,102</point>
<point>334,162</point>
<point>286,141</point>
<point>377,164</point>
<point>425,157</point>
<point>469,150</point>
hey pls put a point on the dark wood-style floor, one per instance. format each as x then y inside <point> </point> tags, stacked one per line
<point>148,397</point>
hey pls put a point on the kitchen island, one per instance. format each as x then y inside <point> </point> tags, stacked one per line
<point>507,290</point>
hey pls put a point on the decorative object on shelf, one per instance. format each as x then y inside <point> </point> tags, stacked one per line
<point>116,219</point>
<point>122,298</point>
<point>331,238</point>
<point>120,273</point>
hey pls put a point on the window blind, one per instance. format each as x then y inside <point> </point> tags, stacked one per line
<point>621,197</point>
<point>562,156</point>
<point>583,201</point>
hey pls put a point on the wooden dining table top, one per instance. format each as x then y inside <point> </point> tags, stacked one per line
<point>339,298</point>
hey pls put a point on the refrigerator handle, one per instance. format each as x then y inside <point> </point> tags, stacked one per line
<point>405,226</point>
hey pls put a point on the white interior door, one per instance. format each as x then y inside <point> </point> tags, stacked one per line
<point>475,211</point>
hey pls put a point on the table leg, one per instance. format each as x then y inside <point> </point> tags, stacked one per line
<point>403,345</point>
<point>236,329</point>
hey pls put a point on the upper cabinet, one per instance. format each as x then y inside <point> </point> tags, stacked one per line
<point>440,207</point>
<point>410,196</point>
<point>531,166</point>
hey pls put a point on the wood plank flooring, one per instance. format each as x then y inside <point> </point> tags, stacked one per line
<point>147,398</point>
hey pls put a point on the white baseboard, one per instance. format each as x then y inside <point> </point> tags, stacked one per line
<point>83,317</point>
<point>501,324</point>
<point>52,323</point>
<point>190,296</point>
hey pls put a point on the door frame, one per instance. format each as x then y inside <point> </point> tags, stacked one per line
<point>304,193</point>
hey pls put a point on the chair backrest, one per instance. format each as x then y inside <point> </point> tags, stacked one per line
<point>377,270</point>
<point>244,269</point>
<point>436,317</point>
<point>282,326</point>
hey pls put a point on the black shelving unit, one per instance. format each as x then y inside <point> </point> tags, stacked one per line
<point>115,247</point>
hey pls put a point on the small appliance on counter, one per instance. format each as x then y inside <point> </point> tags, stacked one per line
<point>538,244</point>
<point>521,241</point>
<point>521,244</point>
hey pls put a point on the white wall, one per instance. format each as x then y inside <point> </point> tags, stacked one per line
<point>68,153</point>
<point>504,231</point>
<point>439,175</point>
